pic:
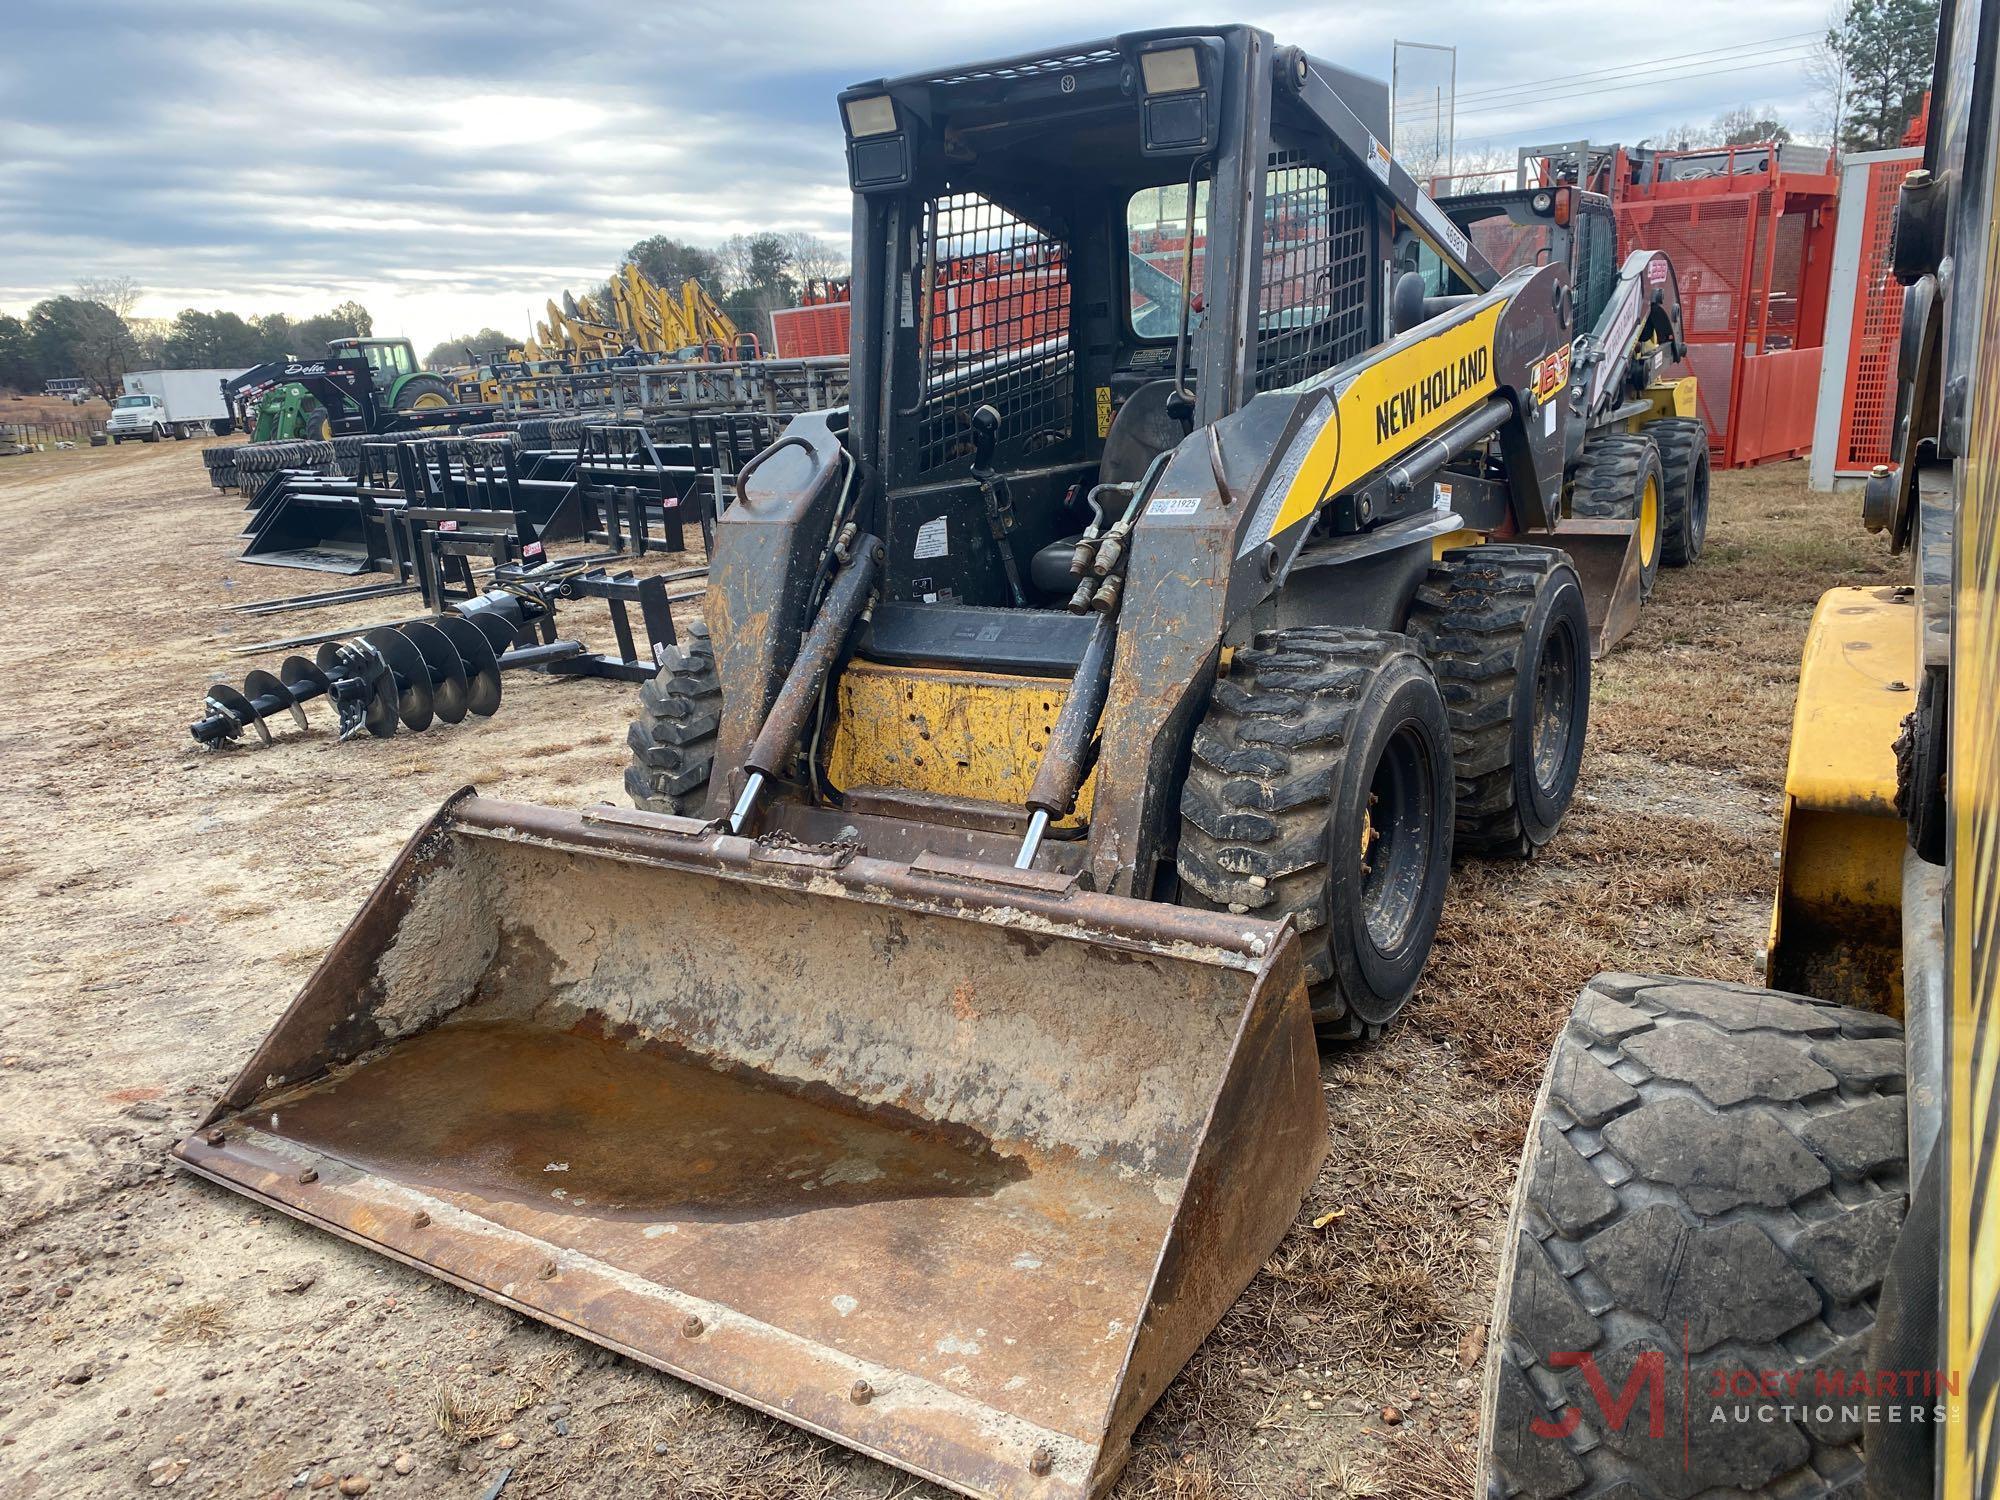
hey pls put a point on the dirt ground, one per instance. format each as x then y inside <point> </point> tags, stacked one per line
<point>161,904</point>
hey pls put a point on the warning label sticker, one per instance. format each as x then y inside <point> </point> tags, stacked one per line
<point>1378,158</point>
<point>932,539</point>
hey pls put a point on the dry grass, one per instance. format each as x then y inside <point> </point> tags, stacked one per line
<point>198,1323</point>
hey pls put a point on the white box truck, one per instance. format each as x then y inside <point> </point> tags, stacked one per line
<point>169,403</point>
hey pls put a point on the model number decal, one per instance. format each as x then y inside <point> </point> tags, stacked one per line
<point>1439,224</point>
<point>1550,374</point>
<point>1173,505</point>
<point>1437,389</point>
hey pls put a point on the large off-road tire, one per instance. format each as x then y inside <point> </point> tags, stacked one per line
<point>673,739</point>
<point>1320,789</point>
<point>314,425</point>
<point>1508,636</point>
<point>423,392</point>
<point>1619,478</point>
<point>1683,445</point>
<point>1713,1182</point>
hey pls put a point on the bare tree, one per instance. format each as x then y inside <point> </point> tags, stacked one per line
<point>1482,168</point>
<point>119,293</point>
<point>1686,136</point>
<point>814,258</point>
<point>1745,126</point>
<point>1826,71</point>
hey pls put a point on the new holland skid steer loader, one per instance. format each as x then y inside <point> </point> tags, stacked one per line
<point>1083,714</point>
<point>1755,1248</point>
<point>1623,394</point>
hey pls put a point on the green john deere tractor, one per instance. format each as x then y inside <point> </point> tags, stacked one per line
<point>287,399</point>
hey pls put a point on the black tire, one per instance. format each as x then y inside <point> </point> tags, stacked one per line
<point>1683,445</point>
<point>1508,635</point>
<point>314,426</point>
<point>153,435</point>
<point>1610,484</point>
<point>1317,739</point>
<point>1922,749</point>
<point>416,387</point>
<point>673,739</point>
<point>1716,1174</point>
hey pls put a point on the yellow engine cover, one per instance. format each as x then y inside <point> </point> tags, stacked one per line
<point>977,735</point>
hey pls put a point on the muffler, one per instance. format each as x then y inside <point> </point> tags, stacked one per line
<point>951,1163</point>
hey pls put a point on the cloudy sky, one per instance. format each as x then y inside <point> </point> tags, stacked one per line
<point>452,165</point>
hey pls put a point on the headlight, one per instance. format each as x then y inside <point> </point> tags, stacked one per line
<point>874,114</point>
<point>1174,71</point>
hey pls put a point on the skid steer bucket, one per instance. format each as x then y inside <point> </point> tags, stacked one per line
<point>953,1164</point>
<point>1606,554</point>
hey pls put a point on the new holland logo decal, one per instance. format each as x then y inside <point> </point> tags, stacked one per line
<point>1405,408</point>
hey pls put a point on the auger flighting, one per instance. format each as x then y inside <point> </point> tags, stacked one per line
<point>406,675</point>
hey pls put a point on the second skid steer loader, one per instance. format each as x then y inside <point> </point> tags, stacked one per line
<point>1082,715</point>
<point>1638,447</point>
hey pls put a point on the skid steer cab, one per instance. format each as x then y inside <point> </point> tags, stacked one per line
<point>1079,718</point>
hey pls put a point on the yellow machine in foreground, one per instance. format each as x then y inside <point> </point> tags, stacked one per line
<point>1756,1247</point>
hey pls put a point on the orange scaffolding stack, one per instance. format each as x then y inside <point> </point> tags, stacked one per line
<point>1752,245</point>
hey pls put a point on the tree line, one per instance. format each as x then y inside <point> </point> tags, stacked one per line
<point>94,334</point>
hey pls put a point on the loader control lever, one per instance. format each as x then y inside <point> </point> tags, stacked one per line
<point>994,495</point>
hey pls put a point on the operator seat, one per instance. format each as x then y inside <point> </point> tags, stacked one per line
<point>1143,429</point>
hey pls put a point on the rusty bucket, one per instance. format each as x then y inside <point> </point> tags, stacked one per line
<point>1605,553</point>
<point>952,1165</point>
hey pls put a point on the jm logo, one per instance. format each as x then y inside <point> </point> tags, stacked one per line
<point>1648,1378</point>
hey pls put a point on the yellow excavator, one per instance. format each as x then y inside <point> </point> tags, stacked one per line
<point>639,317</point>
<point>1083,724</point>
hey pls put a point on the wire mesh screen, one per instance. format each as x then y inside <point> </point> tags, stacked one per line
<point>1709,243</point>
<point>999,330</point>
<point>1312,308</point>
<point>1868,422</point>
<point>1508,246</point>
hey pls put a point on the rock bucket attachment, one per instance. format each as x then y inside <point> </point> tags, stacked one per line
<point>952,1165</point>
